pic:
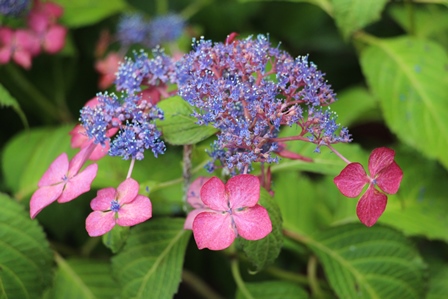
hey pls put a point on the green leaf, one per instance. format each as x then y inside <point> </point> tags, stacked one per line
<point>423,21</point>
<point>85,12</point>
<point>150,265</point>
<point>409,76</point>
<point>352,15</point>
<point>7,100</point>
<point>29,154</point>
<point>179,127</point>
<point>325,5</point>
<point>116,238</point>
<point>273,290</point>
<point>355,105</point>
<point>438,288</point>
<point>80,278</point>
<point>25,255</point>
<point>376,262</point>
<point>263,252</point>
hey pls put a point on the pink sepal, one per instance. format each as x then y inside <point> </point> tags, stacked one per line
<point>56,172</point>
<point>54,39</point>
<point>213,194</point>
<point>43,197</point>
<point>98,223</point>
<point>253,223</point>
<point>389,178</point>
<point>351,180</point>
<point>127,191</point>
<point>379,159</point>
<point>194,192</point>
<point>213,230</point>
<point>103,199</point>
<point>191,216</point>
<point>371,205</point>
<point>79,184</point>
<point>135,212</point>
<point>243,190</point>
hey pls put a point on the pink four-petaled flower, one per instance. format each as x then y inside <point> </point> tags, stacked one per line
<point>384,172</point>
<point>63,181</point>
<point>122,206</point>
<point>228,211</point>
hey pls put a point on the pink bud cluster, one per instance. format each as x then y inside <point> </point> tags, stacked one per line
<point>43,33</point>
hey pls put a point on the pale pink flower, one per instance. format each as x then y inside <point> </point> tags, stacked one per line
<point>122,206</point>
<point>229,211</point>
<point>18,45</point>
<point>63,181</point>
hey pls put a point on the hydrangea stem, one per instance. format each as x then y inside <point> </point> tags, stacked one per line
<point>186,168</point>
<point>131,167</point>
<point>338,154</point>
<point>234,265</point>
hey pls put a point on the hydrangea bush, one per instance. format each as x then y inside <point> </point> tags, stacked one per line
<point>221,168</point>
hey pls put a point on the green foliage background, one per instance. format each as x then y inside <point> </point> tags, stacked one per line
<point>388,63</point>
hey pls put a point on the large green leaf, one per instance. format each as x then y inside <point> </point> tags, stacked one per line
<point>85,12</point>
<point>25,255</point>
<point>150,265</point>
<point>179,127</point>
<point>6,100</point>
<point>356,105</point>
<point>410,78</point>
<point>28,155</point>
<point>352,15</point>
<point>376,262</point>
<point>264,252</point>
<point>423,21</point>
<point>325,5</point>
<point>80,278</point>
<point>273,290</point>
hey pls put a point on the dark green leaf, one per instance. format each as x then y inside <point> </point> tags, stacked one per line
<point>150,265</point>
<point>273,290</point>
<point>87,279</point>
<point>6,100</point>
<point>325,5</point>
<point>263,252</point>
<point>179,127</point>
<point>376,262</point>
<point>352,15</point>
<point>25,255</point>
<point>409,76</point>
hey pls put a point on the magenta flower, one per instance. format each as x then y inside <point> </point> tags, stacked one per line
<point>63,182</point>
<point>384,172</point>
<point>194,199</point>
<point>229,211</point>
<point>123,206</point>
<point>18,45</point>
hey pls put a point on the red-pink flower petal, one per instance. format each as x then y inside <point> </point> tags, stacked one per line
<point>243,190</point>
<point>103,199</point>
<point>56,172</point>
<point>389,178</point>
<point>252,223</point>
<point>379,159</point>
<point>135,212</point>
<point>194,192</point>
<point>43,197</point>
<point>371,205</point>
<point>5,55</point>
<point>98,223</point>
<point>127,191</point>
<point>351,180</point>
<point>214,195</point>
<point>22,58</point>
<point>54,39</point>
<point>77,162</point>
<point>78,184</point>
<point>191,216</point>
<point>213,230</point>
